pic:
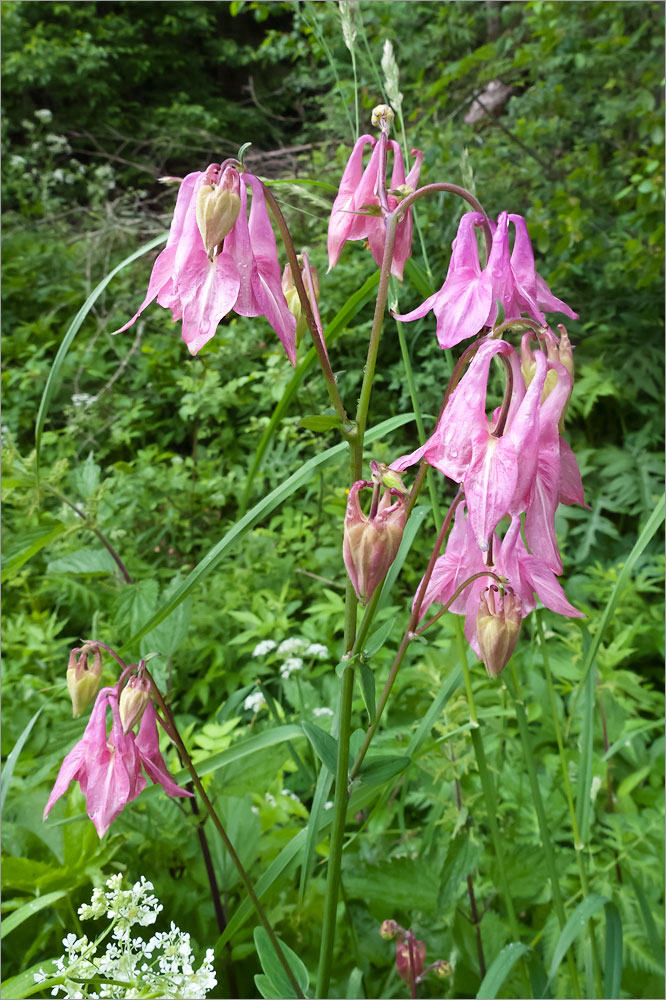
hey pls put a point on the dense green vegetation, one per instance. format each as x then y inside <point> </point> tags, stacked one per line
<point>153,451</point>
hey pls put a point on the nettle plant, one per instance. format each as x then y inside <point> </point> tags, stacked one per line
<point>495,553</point>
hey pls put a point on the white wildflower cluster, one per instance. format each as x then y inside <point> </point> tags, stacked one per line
<point>318,651</point>
<point>254,702</point>
<point>263,648</point>
<point>163,966</point>
<point>290,666</point>
<point>294,645</point>
<point>322,711</point>
<point>83,399</point>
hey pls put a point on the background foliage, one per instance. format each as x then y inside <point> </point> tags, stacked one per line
<point>152,448</point>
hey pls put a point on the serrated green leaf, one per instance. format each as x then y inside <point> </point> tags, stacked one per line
<point>84,562</point>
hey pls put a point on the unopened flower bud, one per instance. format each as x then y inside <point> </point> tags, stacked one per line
<point>403,958</point>
<point>217,208</point>
<point>387,477</point>
<point>134,698</point>
<point>371,543</point>
<point>389,929</point>
<point>498,623</point>
<point>83,681</point>
<point>293,298</point>
<point>382,116</point>
<point>442,968</point>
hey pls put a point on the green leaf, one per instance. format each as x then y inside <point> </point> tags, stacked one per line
<point>322,791</point>
<point>33,540</point>
<point>583,800</point>
<point>15,919</point>
<point>320,422</point>
<point>655,940</point>
<point>24,984</point>
<point>613,961</point>
<point>379,637</point>
<point>419,278</point>
<point>260,510</point>
<point>74,327</point>
<point>449,685</point>
<point>354,989</point>
<point>166,637</point>
<point>367,678</point>
<point>324,745</point>
<point>377,770</point>
<point>266,988</point>
<point>575,925</point>
<point>86,477</point>
<point>334,329</point>
<point>10,764</point>
<point>500,969</point>
<point>269,738</point>
<point>84,562</point>
<point>272,965</point>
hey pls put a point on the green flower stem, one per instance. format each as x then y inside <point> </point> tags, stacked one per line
<point>340,800</point>
<point>375,335</point>
<point>546,843</point>
<point>337,836</point>
<point>406,639</point>
<point>171,729</point>
<point>320,348</point>
<point>488,786</point>
<point>409,372</point>
<point>578,846</point>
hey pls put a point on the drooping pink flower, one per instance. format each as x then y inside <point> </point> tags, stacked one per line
<point>467,301</point>
<point>201,284</point>
<point>409,961</point>
<point>357,191</point>
<point>526,574</point>
<point>108,767</point>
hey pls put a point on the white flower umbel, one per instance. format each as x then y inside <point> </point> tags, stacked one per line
<point>317,650</point>
<point>254,702</point>
<point>160,967</point>
<point>262,648</point>
<point>289,646</point>
<point>289,666</point>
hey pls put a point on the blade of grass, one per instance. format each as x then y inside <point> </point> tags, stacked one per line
<point>8,769</point>
<point>613,964</point>
<point>583,800</point>
<point>575,925</point>
<point>74,327</point>
<point>247,522</point>
<point>500,969</point>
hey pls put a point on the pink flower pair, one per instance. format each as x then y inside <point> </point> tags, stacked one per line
<point>201,283</point>
<point>468,299</point>
<point>527,469</point>
<point>108,767</point>
<point>527,575</point>
<point>358,191</point>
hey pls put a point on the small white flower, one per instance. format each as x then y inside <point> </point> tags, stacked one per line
<point>270,799</point>
<point>289,646</point>
<point>262,648</point>
<point>328,805</point>
<point>43,114</point>
<point>290,665</point>
<point>322,711</point>
<point>318,650</point>
<point>254,702</point>
<point>83,399</point>
<point>16,160</point>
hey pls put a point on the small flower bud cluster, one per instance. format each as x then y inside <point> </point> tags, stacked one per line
<point>410,955</point>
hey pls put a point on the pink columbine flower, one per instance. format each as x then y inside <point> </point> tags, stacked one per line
<point>108,767</point>
<point>467,301</point>
<point>217,260</point>
<point>358,191</point>
<point>527,575</point>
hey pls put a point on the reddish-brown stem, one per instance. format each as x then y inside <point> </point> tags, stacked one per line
<point>412,965</point>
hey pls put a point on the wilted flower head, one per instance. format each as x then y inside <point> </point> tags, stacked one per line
<point>218,259</point>
<point>410,962</point>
